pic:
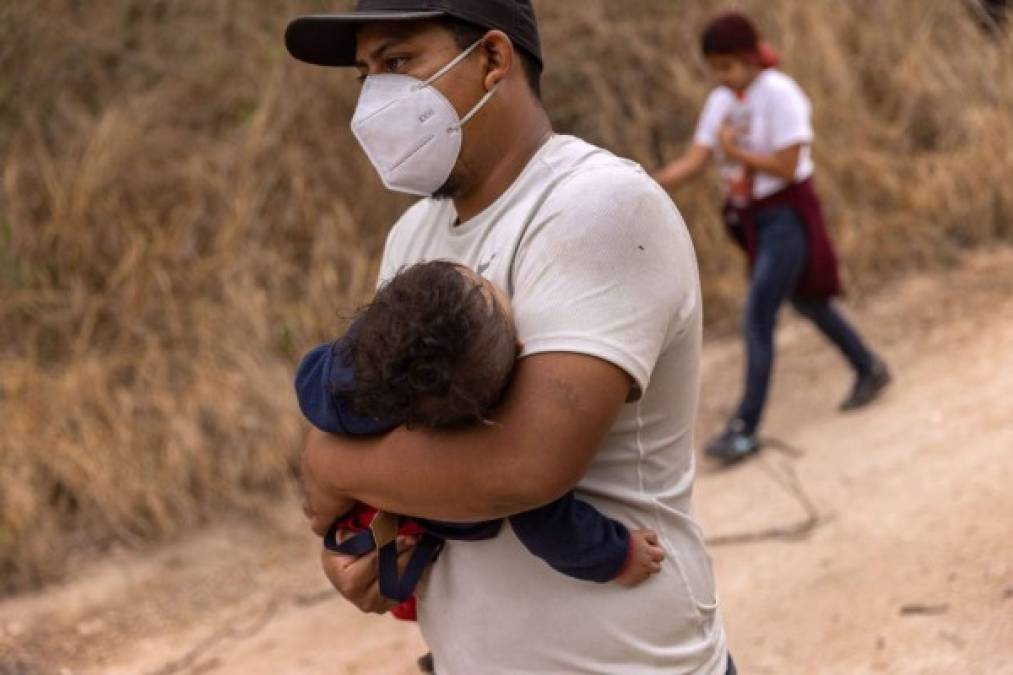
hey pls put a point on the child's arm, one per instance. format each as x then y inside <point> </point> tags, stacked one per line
<point>783,163</point>
<point>688,166</point>
<point>576,539</point>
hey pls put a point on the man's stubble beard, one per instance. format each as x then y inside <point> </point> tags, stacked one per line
<point>448,190</point>
<point>454,185</point>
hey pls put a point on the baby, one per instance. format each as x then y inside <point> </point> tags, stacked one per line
<point>436,348</point>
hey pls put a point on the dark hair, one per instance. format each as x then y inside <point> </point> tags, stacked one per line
<point>467,34</point>
<point>433,349</point>
<point>730,33</point>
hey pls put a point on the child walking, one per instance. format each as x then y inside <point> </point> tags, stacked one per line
<point>757,125</point>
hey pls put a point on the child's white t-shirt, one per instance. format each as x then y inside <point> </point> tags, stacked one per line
<point>596,260</point>
<point>779,116</point>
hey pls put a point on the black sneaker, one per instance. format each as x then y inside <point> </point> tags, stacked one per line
<point>867,387</point>
<point>733,444</point>
<point>426,664</point>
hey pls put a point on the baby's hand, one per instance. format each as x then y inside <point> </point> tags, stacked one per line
<point>645,558</point>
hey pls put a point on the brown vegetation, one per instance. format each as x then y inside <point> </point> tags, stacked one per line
<point>183,209</point>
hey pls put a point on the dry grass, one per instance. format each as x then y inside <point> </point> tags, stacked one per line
<point>182,210</point>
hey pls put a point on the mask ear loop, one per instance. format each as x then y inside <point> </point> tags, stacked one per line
<point>447,68</point>
<point>478,107</point>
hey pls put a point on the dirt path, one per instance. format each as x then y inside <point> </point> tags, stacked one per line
<point>908,570</point>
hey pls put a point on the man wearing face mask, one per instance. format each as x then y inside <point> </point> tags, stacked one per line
<point>602,277</point>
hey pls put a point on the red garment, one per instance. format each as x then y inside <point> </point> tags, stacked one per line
<point>769,57</point>
<point>358,520</point>
<point>820,279</point>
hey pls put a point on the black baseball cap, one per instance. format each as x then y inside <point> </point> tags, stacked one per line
<point>329,39</point>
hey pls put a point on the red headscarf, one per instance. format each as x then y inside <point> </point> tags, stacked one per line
<point>733,34</point>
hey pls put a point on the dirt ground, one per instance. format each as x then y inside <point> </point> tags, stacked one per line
<point>877,542</point>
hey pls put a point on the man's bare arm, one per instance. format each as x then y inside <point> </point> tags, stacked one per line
<point>559,408</point>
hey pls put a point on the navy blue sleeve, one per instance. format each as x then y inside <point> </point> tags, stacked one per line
<point>486,529</point>
<point>325,372</point>
<point>574,538</point>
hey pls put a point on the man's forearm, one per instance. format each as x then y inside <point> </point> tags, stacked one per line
<point>547,433</point>
<point>405,473</point>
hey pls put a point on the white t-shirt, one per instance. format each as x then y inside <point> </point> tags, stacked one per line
<point>779,115</point>
<point>598,261</point>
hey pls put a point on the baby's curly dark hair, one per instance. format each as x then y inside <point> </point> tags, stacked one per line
<point>433,349</point>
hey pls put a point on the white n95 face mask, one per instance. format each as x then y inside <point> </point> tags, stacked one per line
<point>410,131</point>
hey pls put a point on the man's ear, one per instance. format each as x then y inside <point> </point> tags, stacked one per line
<point>499,55</point>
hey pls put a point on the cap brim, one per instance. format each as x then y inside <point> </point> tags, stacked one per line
<point>329,39</point>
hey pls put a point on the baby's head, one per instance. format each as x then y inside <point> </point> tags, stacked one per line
<point>435,348</point>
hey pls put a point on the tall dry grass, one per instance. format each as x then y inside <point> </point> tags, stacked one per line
<point>182,210</point>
